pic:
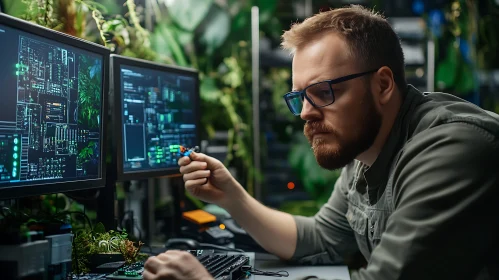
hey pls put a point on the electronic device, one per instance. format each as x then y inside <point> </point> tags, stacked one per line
<point>155,110</point>
<point>89,276</point>
<point>186,152</point>
<point>224,266</point>
<point>204,227</point>
<point>24,261</point>
<point>109,267</point>
<point>52,122</point>
<point>217,235</point>
<point>133,271</point>
<point>59,255</point>
<point>199,253</point>
<point>199,218</point>
<point>192,245</point>
<point>220,266</point>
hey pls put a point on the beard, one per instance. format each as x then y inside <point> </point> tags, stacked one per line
<point>345,150</point>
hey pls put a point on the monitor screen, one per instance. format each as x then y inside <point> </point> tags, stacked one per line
<point>158,111</point>
<point>51,129</point>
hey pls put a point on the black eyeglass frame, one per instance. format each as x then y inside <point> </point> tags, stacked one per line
<point>303,93</point>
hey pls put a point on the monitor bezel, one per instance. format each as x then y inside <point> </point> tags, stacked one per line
<point>43,187</point>
<point>117,118</point>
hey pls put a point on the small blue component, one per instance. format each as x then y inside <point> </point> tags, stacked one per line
<point>184,152</point>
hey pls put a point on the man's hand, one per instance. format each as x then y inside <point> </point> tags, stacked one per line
<point>207,179</point>
<point>175,265</point>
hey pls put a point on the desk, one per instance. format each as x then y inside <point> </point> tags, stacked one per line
<point>267,262</point>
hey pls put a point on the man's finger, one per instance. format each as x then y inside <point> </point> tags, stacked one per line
<point>168,274</point>
<point>212,162</point>
<point>153,264</point>
<point>168,255</point>
<point>195,183</point>
<point>197,188</point>
<point>200,174</point>
<point>147,275</point>
<point>193,166</point>
<point>173,252</point>
<point>184,161</point>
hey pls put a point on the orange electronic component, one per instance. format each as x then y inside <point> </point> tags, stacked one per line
<point>199,217</point>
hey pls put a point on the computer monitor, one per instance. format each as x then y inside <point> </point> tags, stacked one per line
<point>53,89</point>
<point>155,109</point>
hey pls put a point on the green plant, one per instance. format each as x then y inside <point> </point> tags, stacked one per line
<point>456,66</point>
<point>68,16</point>
<point>41,13</point>
<point>41,213</point>
<point>89,20</point>
<point>122,36</point>
<point>279,81</point>
<point>90,242</point>
<point>488,35</point>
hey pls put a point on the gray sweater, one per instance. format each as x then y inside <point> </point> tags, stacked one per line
<point>428,207</point>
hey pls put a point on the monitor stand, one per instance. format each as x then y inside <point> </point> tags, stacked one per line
<point>105,204</point>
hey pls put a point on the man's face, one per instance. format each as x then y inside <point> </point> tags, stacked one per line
<point>338,133</point>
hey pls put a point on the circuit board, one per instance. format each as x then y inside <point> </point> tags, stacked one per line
<point>89,276</point>
<point>128,272</point>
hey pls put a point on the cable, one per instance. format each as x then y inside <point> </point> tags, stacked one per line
<point>248,270</point>
<point>222,248</point>
<point>75,252</point>
<point>134,223</point>
<point>129,213</point>
<point>138,229</point>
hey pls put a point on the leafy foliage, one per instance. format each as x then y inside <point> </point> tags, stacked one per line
<point>90,20</point>
<point>488,34</point>
<point>41,12</point>
<point>456,70</point>
<point>88,243</point>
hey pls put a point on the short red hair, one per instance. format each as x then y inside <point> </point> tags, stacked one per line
<point>372,41</point>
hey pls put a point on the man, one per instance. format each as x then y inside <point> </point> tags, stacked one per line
<point>418,189</point>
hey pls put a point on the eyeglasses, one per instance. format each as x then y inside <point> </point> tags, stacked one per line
<point>319,94</point>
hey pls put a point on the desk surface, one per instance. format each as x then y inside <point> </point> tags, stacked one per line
<point>271,263</point>
<point>267,262</point>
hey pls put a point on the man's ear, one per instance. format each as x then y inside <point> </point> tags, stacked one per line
<point>384,85</point>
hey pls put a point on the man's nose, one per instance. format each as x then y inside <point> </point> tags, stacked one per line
<point>308,111</point>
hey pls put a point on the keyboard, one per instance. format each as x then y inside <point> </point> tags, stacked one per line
<point>221,266</point>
